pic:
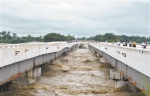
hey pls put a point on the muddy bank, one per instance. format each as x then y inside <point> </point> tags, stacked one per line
<point>77,74</point>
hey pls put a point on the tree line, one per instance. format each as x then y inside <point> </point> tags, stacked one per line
<point>57,37</point>
<point>110,37</point>
<point>7,37</point>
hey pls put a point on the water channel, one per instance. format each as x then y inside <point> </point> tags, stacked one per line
<point>77,74</point>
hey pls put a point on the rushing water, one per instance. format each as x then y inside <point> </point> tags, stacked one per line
<point>77,74</point>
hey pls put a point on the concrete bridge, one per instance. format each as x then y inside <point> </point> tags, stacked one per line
<point>129,63</point>
<point>16,59</point>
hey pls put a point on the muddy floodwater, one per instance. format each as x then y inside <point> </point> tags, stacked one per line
<point>77,74</point>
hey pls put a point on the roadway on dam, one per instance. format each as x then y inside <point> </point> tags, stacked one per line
<point>77,74</point>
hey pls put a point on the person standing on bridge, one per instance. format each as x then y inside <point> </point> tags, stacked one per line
<point>124,43</point>
<point>118,43</point>
<point>134,44</point>
<point>130,44</point>
<point>144,44</point>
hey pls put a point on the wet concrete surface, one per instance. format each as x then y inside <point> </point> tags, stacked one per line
<point>77,74</point>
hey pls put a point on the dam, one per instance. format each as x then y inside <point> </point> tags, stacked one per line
<point>66,70</point>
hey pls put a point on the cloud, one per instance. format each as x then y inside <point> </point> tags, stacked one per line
<point>78,18</point>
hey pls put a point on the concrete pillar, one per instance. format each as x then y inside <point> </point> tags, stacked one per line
<point>37,72</point>
<point>116,75</point>
<point>119,84</point>
<point>102,60</point>
<point>33,74</point>
<point>30,76</point>
<point>120,80</point>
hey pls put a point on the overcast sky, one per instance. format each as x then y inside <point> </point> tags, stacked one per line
<point>75,17</point>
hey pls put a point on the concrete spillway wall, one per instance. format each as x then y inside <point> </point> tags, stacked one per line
<point>20,65</point>
<point>124,60</point>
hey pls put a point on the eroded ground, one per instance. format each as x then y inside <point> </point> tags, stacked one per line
<point>77,74</point>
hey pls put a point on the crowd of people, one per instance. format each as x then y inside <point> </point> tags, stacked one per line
<point>132,44</point>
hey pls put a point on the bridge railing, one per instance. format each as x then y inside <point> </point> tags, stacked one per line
<point>12,53</point>
<point>139,59</point>
<point>140,55</point>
